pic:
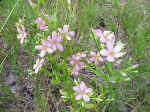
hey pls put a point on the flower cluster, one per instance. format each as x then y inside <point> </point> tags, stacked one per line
<point>112,49</point>
<point>21,31</point>
<point>110,52</point>
<point>53,42</point>
<point>77,64</point>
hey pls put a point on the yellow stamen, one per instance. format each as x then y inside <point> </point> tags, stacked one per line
<point>112,53</point>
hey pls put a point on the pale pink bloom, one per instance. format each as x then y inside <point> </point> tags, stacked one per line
<point>77,64</point>
<point>41,24</point>
<point>55,41</point>
<point>82,91</point>
<point>105,36</point>
<point>66,33</point>
<point>96,58</point>
<point>21,33</point>
<point>112,52</point>
<point>45,47</point>
<point>38,65</point>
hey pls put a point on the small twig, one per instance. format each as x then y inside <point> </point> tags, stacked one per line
<point>4,59</point>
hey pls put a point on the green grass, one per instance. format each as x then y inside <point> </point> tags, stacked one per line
<point>132,20</point>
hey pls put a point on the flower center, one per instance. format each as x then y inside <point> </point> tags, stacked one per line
<point>22,35</point>
<point>77,61</point>
<point>64,35</point>
<point>96,58</point>
<point>55,42</point>
<point>82,92</point>
<point>42,24</point>
<point>44,47</point>
<point>111,53</point>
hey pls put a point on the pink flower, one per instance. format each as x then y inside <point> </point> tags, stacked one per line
<point>82,92</point>
<point>76,61</point>
<point>65,32</point>
<point>45,47</point>
<point>96,58</point>
<point>21,33</point>
<point>38,65</point>
<point>41,24</point>
<point>55,41</point>
<point>105,36</point>
<point>112,52</point>
<point>77,64</point>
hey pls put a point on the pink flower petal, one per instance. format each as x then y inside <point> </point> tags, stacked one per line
<point>68,38</point>
<point>92,59</point>
<point>38,47</point>
<point>83,86</point>
<point>109,36</point>
<point>110,59</point>
<point>72,33</point>
<point>78,97</point>
<point>43,27</point>
<point>72,62</point>
<point>50,50</point>
<point>109,45</point>
<point>100,59</point>
<point>54,35</point>
<point>96,62</point>
<point>98,32</point>
<point>59,39</point>
<point>74,72</point>
<point>44,42</point>
<point>76,88</point>
<point>86,98</point>
<point>81,63</point>
<point>43,52</point>
<point>102,39</point>
<point>41,62</point>
<point>93,53</point>
<point>22,40</point>
<point>60,47</point>
<point>118,47</point>
<point>66,28</point>
<point>88,90</point>
<point>117,55</point>
<point>36,70</point>
<point>104,52</point>
<point>60,30</point>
